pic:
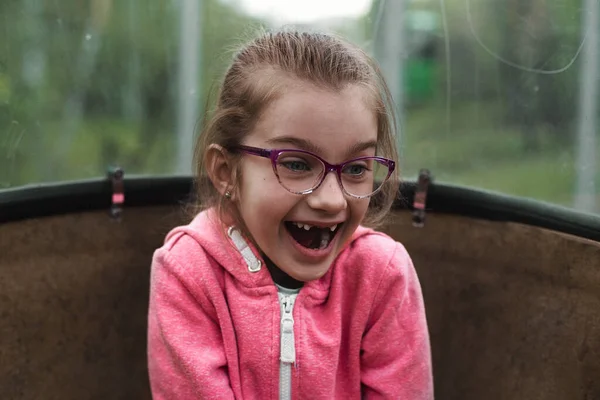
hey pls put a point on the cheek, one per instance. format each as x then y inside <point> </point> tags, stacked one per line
<point>257,171</point>
<point>253,181</point>
<point>261,195</point>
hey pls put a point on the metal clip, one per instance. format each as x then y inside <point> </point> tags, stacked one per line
<point>115,174</point>
<point>420,199</point>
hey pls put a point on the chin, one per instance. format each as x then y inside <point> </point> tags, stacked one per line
<point>307,273</point>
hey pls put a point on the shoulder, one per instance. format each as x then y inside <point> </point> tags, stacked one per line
<point>181,246</point>
<point>377,250</point>
<point>184,257</point>
<point>188,244</point>
<point>183,276</point>
<point>373,256</point>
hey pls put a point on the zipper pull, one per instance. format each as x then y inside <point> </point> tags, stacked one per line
<point>288,348</point>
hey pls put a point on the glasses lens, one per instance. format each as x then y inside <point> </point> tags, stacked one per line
<point>364,177</point>
<point>299,172</point>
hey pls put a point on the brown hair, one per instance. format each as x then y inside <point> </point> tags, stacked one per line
<point>323,60</point>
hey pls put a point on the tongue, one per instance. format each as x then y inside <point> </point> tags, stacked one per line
<point>313,238</point>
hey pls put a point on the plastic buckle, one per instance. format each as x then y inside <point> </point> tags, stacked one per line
<point>420,199</point>
<point>116,174</point>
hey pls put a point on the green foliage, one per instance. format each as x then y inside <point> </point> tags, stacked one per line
<point>84,85</point>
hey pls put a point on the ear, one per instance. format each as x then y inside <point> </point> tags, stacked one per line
<point>220,168</point>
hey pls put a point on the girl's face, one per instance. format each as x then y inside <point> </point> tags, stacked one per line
<point>335,126</point>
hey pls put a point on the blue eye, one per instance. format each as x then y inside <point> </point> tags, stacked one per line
<point>355,169</point>
<point>296,165</point>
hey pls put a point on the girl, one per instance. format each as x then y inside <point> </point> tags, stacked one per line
<point>277,289</point>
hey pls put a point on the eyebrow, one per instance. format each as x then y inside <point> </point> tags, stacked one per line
<point>296,142</point>
<point>309,146</point>
<point>358,147</point>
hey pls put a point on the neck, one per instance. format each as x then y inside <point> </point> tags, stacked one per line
<point>281,278</point>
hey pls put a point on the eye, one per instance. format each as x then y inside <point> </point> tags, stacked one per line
<point>295,165</point>
<point>355,169</point>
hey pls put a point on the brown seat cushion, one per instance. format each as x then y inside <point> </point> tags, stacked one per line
<point>512,309</point>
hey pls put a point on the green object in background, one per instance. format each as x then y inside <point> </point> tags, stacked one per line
<point>419,80</point>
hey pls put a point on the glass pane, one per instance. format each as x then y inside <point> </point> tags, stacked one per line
<point>500,95</point>
<point>361,178</point>
<point>299,172</point>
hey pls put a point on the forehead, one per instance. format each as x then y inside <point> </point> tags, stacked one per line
<point>331,121</point>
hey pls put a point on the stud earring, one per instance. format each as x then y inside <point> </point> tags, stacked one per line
<point>228,194</point>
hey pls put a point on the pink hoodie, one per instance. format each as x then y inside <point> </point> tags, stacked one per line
<point>214,324</point>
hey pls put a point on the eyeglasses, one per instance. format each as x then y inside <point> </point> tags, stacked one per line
<point>302,172</point>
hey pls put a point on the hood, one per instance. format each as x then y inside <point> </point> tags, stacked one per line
<point>230,249</point>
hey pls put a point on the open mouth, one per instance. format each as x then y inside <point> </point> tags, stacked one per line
<point>312,237</point>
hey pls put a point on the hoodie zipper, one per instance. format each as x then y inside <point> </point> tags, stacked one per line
<point>287,345</point>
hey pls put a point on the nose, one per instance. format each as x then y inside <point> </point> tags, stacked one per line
<point>328,197</point>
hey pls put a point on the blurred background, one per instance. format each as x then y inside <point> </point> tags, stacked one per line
<point>493,94</point>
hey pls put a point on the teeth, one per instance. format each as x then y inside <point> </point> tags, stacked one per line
<point>307,227</point>
<point>325,237</point>
<point>302,226</point>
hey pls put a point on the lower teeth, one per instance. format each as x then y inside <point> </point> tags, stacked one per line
<point>324,239</point>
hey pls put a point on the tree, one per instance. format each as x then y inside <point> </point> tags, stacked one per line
<point>89,84</point>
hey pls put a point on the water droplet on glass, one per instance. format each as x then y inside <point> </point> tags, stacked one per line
<point>88,36</point>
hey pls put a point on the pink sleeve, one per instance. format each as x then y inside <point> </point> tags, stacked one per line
<point>186,357</point>
<point>396,355</point>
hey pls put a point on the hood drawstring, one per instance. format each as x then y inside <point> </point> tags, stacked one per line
<point>254,264</point>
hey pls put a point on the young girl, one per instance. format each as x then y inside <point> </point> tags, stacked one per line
<point>277,289</point>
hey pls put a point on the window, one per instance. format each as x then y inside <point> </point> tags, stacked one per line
<point>498,95</point>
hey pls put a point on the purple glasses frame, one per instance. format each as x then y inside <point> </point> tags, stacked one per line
<point>273,155</point>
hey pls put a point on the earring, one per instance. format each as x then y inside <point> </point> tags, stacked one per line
<point>228,195</point>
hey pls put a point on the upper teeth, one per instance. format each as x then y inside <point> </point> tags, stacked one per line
<point>307,227</point>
